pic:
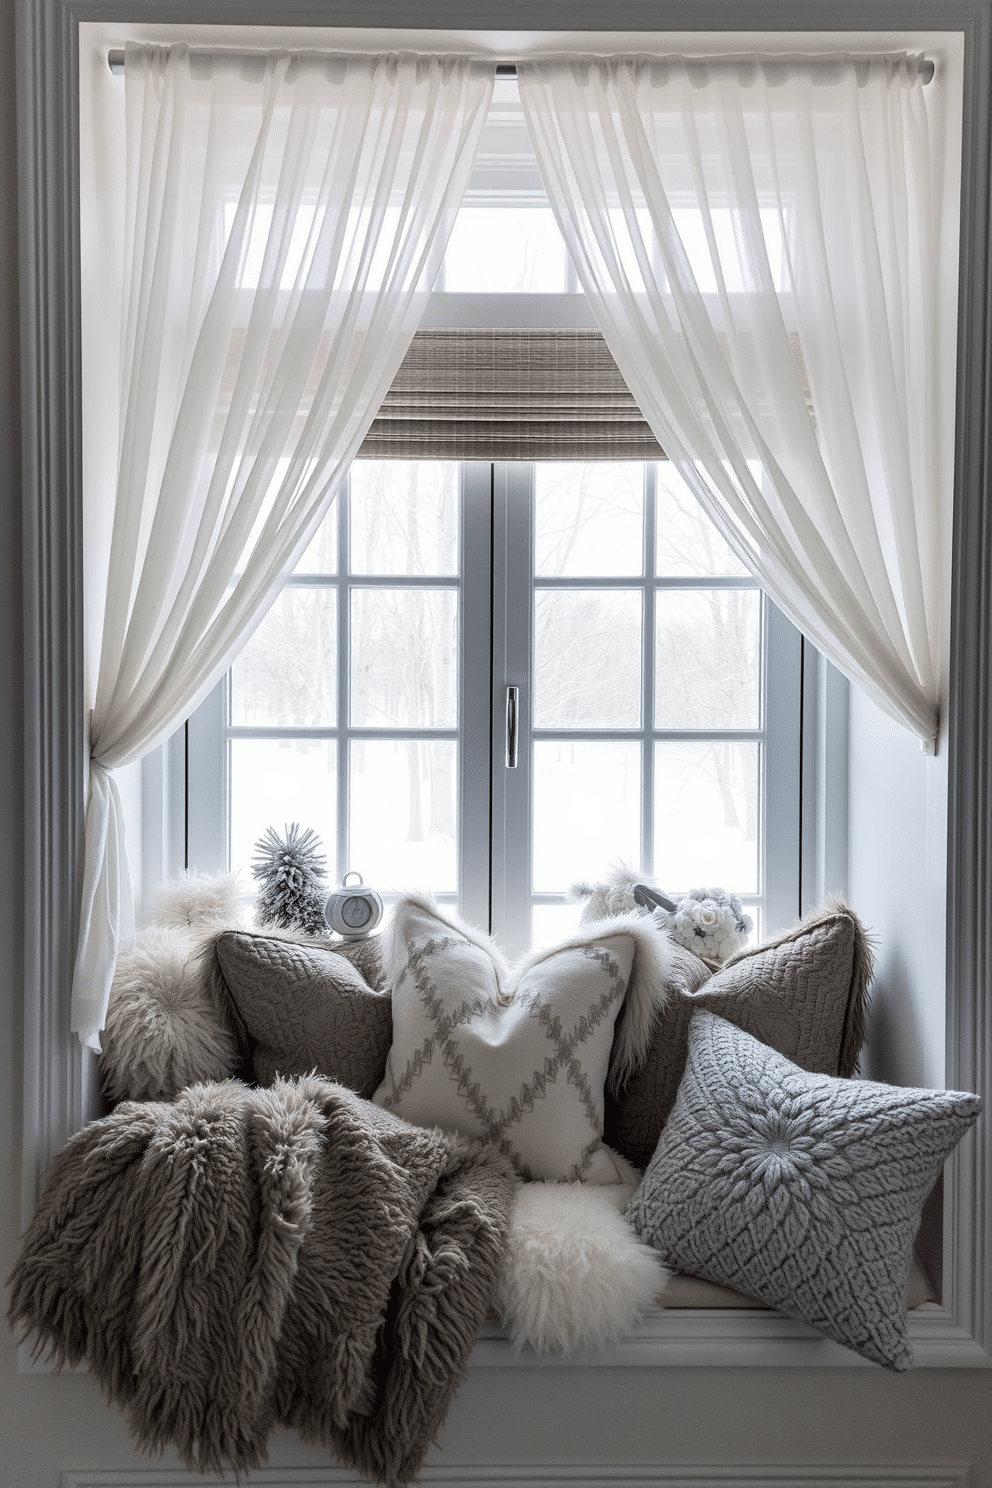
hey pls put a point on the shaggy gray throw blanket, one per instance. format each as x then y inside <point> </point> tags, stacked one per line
<point>246,1258</point>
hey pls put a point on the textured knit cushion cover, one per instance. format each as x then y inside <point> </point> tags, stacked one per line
<point>804,993</point>
<point>804,1191</point>
<point>301,1006</point>
<point>519,1058</point>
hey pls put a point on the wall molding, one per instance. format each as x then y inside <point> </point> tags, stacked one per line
<point>57,1076</point>
<point>967,1254</point>
<point>599,1476</point>
<point>54,762</point>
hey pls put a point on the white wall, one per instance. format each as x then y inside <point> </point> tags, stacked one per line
<point>897,883</point>
<point>633,1416</point>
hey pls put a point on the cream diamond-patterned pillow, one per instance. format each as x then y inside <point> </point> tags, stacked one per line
<point>518,1058</point>
<point>802,1190</point>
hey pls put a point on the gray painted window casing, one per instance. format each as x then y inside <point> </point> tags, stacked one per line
<point>58,1080</point>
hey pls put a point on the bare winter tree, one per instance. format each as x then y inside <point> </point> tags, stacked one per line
<point>404,640</point>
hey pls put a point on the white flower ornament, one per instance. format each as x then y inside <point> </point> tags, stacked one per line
<point>710,922</point>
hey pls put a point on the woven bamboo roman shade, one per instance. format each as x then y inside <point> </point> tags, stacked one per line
<point>497,394</point>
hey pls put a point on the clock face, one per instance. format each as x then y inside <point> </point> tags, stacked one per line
<point>356,911</point>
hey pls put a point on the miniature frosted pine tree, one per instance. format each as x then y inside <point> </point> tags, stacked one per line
<point>290,870</point>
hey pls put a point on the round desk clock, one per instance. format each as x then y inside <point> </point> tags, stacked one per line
<point>353,910</point>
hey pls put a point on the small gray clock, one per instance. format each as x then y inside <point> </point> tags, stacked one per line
<point>353,911</point>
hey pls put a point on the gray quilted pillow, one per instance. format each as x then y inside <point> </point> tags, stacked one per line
<point>804,993</point>
<point>300,1006</point>
<point>804,1191</point>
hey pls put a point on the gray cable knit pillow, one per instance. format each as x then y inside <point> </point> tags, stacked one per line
<point>804,993</point>
<point>300,1006</point>
<point>804,1191</point>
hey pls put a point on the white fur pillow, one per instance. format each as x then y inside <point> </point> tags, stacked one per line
<point>575,1276</point>
<point>519,1058</point>
<point>162,1031</point>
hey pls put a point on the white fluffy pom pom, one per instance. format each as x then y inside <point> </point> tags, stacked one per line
<point>197,902</point>
<point>614,896</point>
<point>576,1276</point>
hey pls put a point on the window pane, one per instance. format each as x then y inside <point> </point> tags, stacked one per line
<point>688,543</point>
<point>404,658</point>
<point>274,783</point>
<point>587,811</point>
<point>551,923</point>
<point>286,676</point>
<point>706,658</point>
<point>590,519</point>
<point>403,814</point>
<point>299,254</point>
<point>404,517</point>
<point>587,658</point>
<point>706,817</point>
<point>505,250</point>
<point>321,557</point>
<point>739,276</point>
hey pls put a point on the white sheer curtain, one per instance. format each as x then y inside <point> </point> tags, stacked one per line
<point>759,243</point>
<point>286,217</point>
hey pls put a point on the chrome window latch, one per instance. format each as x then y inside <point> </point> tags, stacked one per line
<point>512,725</point>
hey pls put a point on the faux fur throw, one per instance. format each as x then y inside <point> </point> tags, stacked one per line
<point>242,1259</point>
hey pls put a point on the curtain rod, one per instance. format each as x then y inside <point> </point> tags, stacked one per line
<point>115,60</point>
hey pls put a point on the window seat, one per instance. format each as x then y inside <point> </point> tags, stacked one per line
<point>689,1291</point>
<point>698,1324</point>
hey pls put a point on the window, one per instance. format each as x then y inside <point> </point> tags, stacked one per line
<point>657,697</point>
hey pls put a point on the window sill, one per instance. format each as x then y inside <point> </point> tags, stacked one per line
<point>732,1338</point>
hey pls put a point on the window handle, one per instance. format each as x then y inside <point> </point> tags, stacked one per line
<point>512,725</point>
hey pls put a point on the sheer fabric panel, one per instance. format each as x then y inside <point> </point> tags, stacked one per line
<point>286,218</point>
<point>759,241</point>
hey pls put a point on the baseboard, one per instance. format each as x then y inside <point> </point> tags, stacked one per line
<point>848,1475</point>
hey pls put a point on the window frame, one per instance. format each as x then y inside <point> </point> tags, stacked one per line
<point>58,1076</point>
<point>496,649</point>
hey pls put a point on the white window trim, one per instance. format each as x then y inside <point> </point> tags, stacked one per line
<point>58,1076</point>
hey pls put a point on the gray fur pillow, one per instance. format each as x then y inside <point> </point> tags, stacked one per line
<point>804,1191</point>
<point>162,1031</point>
<point>805,993</point>
<point>299,1005</point>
